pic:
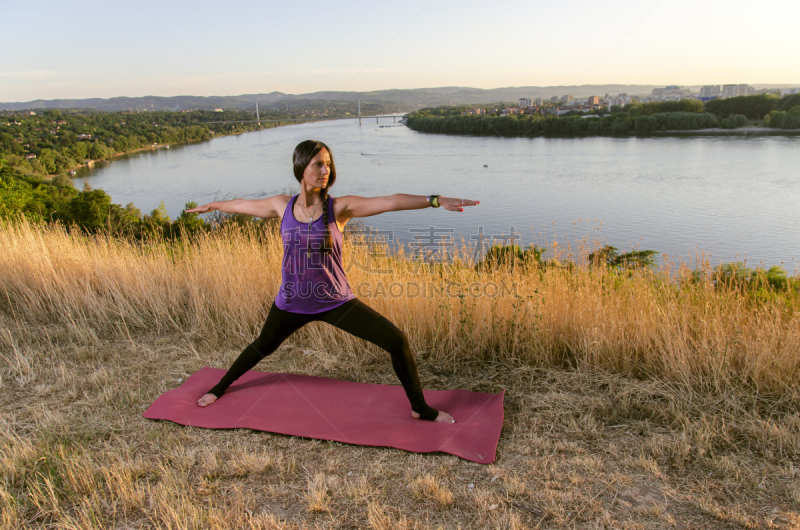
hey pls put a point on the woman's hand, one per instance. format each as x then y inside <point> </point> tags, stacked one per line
<point>455,205</point>
<point>202,209</point>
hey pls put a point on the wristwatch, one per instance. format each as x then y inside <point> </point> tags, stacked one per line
<point>433,200</point>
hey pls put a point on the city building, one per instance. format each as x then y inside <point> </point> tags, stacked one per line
<point>524,102</point>
<point>671,91</point>
<point>710,91</point>
<point>593,100</point>
<point>730,91</point>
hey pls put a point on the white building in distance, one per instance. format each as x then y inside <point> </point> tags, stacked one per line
<point>732,91</point>
<point>671,91</point>
<point>710,91</point>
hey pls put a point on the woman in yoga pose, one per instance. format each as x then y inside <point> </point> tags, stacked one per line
<point>314,286</point>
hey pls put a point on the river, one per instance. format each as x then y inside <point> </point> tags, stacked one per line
<point>728,198</point>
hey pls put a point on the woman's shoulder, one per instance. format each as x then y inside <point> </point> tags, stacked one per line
<point>282,200</point>
<point>278,204</point>
<point>338,203</point>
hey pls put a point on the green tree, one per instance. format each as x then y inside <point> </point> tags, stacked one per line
<point>788,101</point>
<point>14,197</point>
<point>89,209</point>
<point>47,159</point>
<point>684,105</point>
<point>752,107</point>
<point>188,223</point>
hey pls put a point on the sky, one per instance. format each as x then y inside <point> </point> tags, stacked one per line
<point>93,49</point>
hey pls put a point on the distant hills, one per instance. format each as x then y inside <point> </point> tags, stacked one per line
<point>404,99</point>
<point>401,99</point>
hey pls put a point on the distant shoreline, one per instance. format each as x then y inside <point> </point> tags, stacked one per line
<point>716,131</point>
<point>741,131</point>
<point>155,147</point>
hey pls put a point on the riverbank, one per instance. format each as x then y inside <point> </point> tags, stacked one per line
<point>90,163</point>
<point>614,125</point>
<point>741,131</point>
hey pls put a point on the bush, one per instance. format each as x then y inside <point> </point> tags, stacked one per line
<point>510,256</point>
<point>733,122</point>
<point>674,121</point>
<point>784,120</point>
<point>635,259</point>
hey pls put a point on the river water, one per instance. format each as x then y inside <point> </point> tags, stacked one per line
<point>728,198</point>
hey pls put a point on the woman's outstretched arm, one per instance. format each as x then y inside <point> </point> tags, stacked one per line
<point>264,208</point>
<point>355,206</point>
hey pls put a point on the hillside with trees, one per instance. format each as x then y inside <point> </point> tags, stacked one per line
<point>38,150</point>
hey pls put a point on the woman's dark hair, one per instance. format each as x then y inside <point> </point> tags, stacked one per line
<point>303,154</point>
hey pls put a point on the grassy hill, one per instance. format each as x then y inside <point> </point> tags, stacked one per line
<point>632,399</point>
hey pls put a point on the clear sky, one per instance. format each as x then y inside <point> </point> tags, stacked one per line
<point>82,49</point>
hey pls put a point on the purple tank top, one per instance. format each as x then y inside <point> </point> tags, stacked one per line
<point>312,281</point>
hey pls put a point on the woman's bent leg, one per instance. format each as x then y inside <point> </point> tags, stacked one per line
<point>359,319</point>
<point>278,326</point>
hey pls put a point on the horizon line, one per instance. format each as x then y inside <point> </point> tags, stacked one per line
<point>521,87</point>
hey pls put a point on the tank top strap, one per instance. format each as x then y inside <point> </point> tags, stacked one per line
<point>287,212</point>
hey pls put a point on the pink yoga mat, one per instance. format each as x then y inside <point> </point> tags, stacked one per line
<point>329,409</point>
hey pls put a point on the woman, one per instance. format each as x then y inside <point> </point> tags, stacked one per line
<point>314,286</point>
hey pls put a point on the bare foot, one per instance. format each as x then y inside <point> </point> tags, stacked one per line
<point>206,400</point>
<point>443,417</point>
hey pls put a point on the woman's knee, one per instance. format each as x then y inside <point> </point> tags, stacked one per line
<point>397,342</point>
<point>266,343</point>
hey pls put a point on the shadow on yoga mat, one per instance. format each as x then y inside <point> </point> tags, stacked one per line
<point>343,411</point>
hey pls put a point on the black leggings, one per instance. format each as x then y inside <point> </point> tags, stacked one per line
<point>355,317</point>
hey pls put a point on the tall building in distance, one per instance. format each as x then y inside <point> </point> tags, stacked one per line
<point>593,100</point>
<point>710,91</point>
<point>537,102</point>
<point>671,92</point>
<point>730,91</point>
<point>524,102</point>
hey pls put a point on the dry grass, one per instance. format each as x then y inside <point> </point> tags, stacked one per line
<point>631,402</point>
